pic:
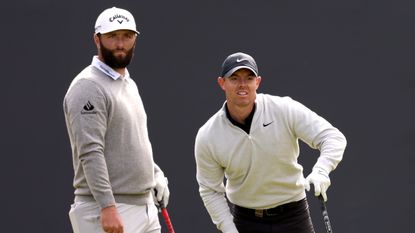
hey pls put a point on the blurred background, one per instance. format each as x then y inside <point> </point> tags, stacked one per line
<point>349,61</point>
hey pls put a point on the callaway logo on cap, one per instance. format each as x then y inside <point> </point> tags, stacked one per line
<point>113,19</point>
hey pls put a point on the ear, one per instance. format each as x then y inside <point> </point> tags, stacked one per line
<point>258,81</point>
<point>221,82</point>
<point>96,40</point>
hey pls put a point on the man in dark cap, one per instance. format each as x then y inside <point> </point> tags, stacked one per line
<point>253,142</point>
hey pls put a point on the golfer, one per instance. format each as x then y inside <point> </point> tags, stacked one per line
<point>115,174</point>
<point>252,142</point>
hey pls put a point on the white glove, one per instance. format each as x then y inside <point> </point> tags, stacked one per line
<point>321,181</point>
<point>162,190</point>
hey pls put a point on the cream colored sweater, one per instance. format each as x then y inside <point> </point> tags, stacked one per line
<point>261,168</point>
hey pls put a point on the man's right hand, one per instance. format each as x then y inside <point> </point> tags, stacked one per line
<point>111,220</point>
<point>321,181</point>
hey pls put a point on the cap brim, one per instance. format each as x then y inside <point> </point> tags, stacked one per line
<point>233,70</point>
<point>108,31</point>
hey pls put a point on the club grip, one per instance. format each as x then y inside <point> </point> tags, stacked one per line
<point>167,220</point>
<point>325,214</point>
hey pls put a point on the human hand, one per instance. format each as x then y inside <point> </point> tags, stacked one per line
<point>111,220</point>
<point>321,181</point>
<point>162,190</point>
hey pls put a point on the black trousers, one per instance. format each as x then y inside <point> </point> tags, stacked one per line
<point>292,217</point>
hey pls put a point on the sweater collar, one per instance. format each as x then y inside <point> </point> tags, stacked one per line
<point>248,121</point>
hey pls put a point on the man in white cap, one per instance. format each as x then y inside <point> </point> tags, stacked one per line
<point>252,141</point>
<point>115,175</point>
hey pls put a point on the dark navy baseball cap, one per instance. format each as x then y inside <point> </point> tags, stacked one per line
<point>238,61</point>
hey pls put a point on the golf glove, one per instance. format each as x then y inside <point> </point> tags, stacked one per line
<point>162,190</point>
<point>321,181</point>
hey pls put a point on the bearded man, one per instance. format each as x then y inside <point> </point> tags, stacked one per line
<point>115,175</point>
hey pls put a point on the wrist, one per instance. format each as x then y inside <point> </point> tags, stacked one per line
<point>321,171</point>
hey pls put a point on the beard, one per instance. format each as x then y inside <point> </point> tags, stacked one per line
<point>116,62</point>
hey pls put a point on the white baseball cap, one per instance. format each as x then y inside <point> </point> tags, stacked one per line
<point>113,19</point>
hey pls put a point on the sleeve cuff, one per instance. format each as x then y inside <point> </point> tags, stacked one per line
<point>228,226</point>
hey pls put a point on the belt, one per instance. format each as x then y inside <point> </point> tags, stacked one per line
<point>272,212</point>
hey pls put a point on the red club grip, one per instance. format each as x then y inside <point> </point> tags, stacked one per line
<point>167,220</point>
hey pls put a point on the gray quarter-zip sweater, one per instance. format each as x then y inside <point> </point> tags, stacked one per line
<point>107,126</point>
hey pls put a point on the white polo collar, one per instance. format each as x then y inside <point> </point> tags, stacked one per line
<point>108,70</point>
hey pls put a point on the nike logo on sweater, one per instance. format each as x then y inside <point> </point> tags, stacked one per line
<point>266,124</point>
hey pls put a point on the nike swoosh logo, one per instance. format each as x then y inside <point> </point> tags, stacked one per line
<point>240,60</point>
<point>266,124</point>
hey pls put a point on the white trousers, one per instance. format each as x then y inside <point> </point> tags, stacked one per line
<point>86,218</point>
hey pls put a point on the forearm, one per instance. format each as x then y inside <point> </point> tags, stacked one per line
<point>96,175</point>
<point>212,192</point>
<point>319,134</point>
<point>331,150</point>
<point>218,209</point>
